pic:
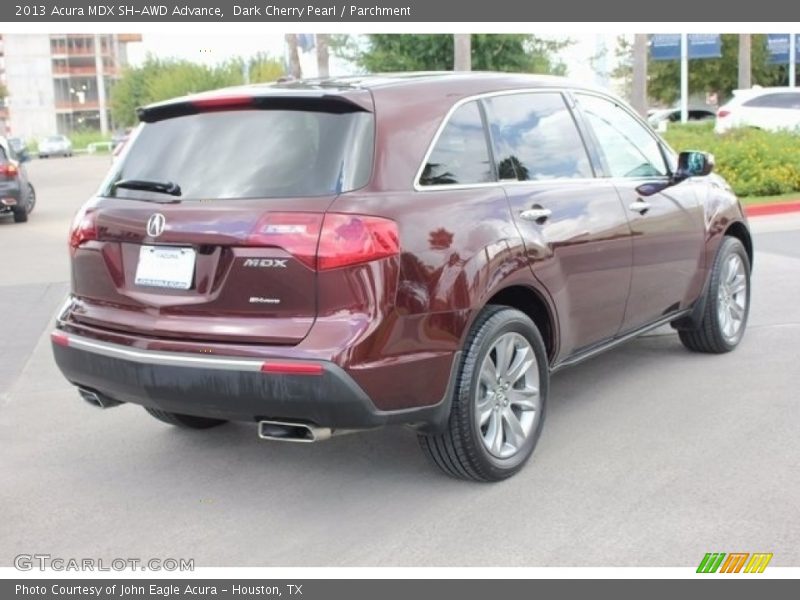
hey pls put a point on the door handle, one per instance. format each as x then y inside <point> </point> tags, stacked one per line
<point>538,214</point>
<point>640,206</point>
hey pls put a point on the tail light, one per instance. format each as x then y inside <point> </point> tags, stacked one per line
<point>83,228</point>
<point>329,241</point>
<point>723,113</point>
<point>353,239</point>
<point>9,171</point>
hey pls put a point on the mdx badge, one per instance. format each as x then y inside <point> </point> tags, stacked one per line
<point>273,263</point>
<point>156,224</point>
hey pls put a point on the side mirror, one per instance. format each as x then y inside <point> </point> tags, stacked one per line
<point>694,164</point>
<point>690,164</point>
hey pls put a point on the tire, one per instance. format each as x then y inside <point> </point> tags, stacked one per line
<point>467,448</point>
<point>20,214</point>
<point>184,421</point>
<point>727,303</point>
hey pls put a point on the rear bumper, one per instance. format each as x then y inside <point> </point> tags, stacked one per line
<point>230,388</point>
<point>10,196</point>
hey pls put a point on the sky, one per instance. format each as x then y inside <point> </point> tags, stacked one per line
<point>214,49</point>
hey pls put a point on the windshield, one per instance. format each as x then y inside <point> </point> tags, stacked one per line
<point>249,154</point>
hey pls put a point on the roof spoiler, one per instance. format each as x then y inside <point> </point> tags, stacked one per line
<point>198,104</point>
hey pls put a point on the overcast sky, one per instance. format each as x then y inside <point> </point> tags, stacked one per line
<point>218,48</point>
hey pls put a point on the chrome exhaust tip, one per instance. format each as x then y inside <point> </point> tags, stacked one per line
<point>97,400</point>
<point>284,431</point>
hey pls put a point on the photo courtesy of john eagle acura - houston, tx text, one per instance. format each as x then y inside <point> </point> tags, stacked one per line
<point>326,256</point>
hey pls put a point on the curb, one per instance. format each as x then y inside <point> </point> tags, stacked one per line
<point>776,208</point>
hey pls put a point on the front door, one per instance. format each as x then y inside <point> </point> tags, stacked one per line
<point>667,227</point>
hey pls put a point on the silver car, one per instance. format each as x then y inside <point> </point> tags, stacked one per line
<point>55,145</point>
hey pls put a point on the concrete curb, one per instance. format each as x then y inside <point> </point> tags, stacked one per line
<point>774,208</point>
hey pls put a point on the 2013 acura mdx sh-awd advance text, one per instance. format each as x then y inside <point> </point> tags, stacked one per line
<point>328,256</point>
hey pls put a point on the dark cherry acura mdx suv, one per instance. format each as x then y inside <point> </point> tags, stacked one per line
<point>320,257</point>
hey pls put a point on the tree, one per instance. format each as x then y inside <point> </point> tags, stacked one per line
<point>718,75</point>
<point>323,56</point>
<point>294,56</point>
<point>158,79</point>
<point>435,52</point>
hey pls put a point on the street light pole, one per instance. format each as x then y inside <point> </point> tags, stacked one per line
<point>792,60</point>
<point>639,79</point>
<point>684,78</point>
<point>745,78</point>
<point>462,54</point>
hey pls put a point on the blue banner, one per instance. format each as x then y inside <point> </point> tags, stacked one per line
<point>778,48</point>
<point>667,46</point>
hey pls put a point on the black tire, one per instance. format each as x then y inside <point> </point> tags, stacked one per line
<point>710,337</point>
<point>459,450</point>
<point>21,214</point>
<point>184,421</point>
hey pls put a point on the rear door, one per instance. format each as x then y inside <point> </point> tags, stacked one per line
<point>207,226</point>
<point>574,226</point>
<point>668,228</point>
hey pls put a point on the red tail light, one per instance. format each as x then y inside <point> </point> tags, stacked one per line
<point>723,113</point>
<point>83,228</point>
<point>9,170</point>
<point>354,239</point>
<point>297,233</point>
<point>329,241</point>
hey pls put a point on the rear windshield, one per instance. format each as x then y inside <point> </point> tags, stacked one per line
<point>249,154</point>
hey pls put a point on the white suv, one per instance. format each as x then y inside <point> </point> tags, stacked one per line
<point>762,108</point>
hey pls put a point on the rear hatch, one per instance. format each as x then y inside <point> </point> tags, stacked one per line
<point>208,224</point>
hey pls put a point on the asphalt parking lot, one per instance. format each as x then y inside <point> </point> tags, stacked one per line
<point>651,455</point>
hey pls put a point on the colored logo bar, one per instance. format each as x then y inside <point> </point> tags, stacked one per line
<point>735,562</point>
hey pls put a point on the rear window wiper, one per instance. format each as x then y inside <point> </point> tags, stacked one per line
<point>144,185</point>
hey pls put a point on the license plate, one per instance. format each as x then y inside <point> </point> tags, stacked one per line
<point>165,267</point>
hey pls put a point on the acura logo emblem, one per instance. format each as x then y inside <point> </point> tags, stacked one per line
<point>156,224</point>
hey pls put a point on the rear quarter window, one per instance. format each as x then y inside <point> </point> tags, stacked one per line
<point>461,153</point>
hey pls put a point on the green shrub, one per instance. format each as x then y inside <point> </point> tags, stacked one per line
<point>81,138</point>
<point>754,162</point>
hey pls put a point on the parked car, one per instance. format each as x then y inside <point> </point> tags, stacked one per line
<point>55,145</point>
<point>673,115</point>
<point>19,149</point>
<point>17,196</point>
<point>422,250</point>
<point>769,108</point>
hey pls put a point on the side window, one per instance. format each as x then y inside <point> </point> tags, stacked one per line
<point>785,100</point>
<point>461,154</point>
<point>3,156</point>
<point>535,138</point>
<point>629,148</point>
